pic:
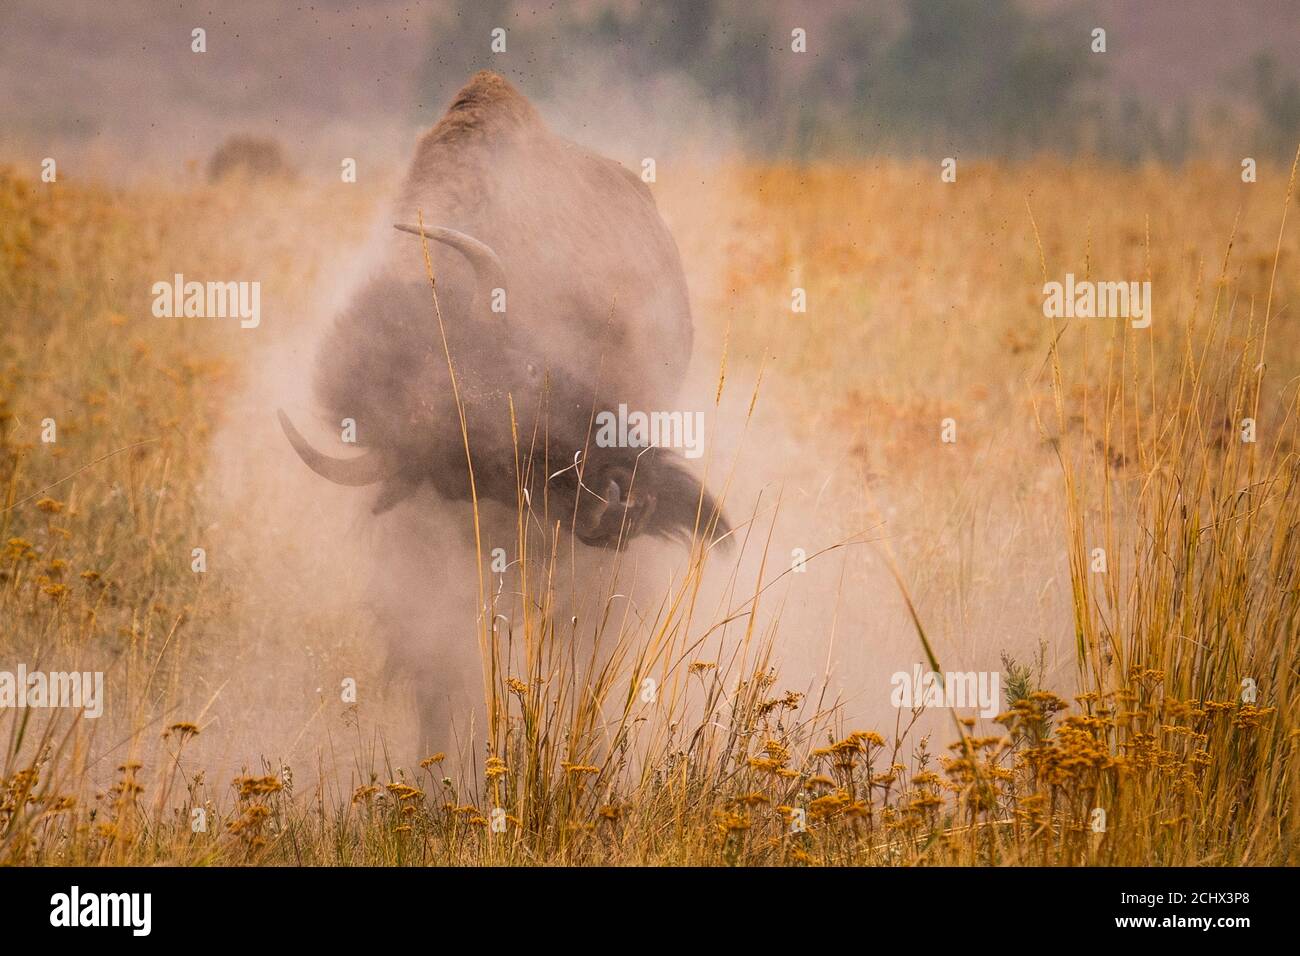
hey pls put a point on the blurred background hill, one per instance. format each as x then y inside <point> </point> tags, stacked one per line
<point>972,76</point>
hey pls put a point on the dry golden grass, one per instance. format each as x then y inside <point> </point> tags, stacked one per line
<point>926,303</point>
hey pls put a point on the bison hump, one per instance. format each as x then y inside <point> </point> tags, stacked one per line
<point>488,104</point>
<point>487,119</point>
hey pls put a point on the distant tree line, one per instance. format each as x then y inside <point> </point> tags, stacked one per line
<point>981,76</point>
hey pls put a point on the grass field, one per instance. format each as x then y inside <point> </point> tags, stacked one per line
<point>768,737</point>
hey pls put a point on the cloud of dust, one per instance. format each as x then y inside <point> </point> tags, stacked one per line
<point>329,592</point>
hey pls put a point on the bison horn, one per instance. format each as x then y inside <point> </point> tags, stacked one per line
<point>363,470</point>
<point>613,494</point>
<point>612,499</point>
<point>489,274</point>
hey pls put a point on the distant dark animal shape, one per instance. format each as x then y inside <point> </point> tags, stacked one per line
<point>253,157</point>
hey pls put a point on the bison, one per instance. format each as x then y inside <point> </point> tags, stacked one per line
<point>253,157</point>
<point>557,293</point>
